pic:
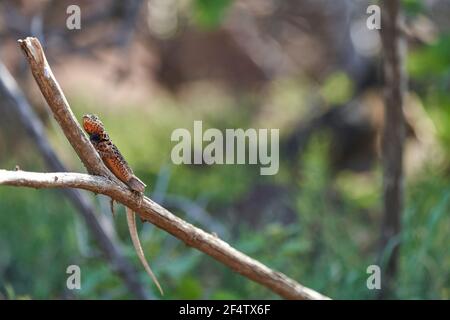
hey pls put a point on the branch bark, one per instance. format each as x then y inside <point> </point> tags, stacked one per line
<point>146,208</point>
<point>57,102</point>
<point>394,48</point>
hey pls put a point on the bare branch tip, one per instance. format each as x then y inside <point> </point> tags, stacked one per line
<point>32,48</point>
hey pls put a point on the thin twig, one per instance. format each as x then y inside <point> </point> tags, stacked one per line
<point>146,208</point>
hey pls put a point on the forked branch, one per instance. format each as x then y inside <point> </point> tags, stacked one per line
<point>148,210</point>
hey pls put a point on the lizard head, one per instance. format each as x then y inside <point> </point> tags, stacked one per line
<point>92,124</point>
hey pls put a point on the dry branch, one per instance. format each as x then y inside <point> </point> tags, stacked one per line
<point>146,208</point>
<point>35,129</point>
<point>162,218</point>
<point>60,107</point>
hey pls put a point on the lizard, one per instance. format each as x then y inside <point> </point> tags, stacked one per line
<point>117,164</point>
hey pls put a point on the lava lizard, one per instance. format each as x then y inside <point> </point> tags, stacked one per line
<point>116,163</point>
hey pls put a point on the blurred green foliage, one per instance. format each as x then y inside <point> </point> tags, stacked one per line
<point>413,7</point>
<point>209,14</point>
<point>329,245</point>
<point>431,61</point>
<point>429,68</point>
<point>337,88</point>
<point>328,248</point>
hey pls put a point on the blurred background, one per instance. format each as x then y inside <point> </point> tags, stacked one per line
<point>310,68</point>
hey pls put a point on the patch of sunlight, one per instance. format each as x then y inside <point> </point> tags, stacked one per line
<point>337,88</point>
<point>359,189</point>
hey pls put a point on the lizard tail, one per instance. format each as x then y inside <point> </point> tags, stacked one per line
<point>131,220</point>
